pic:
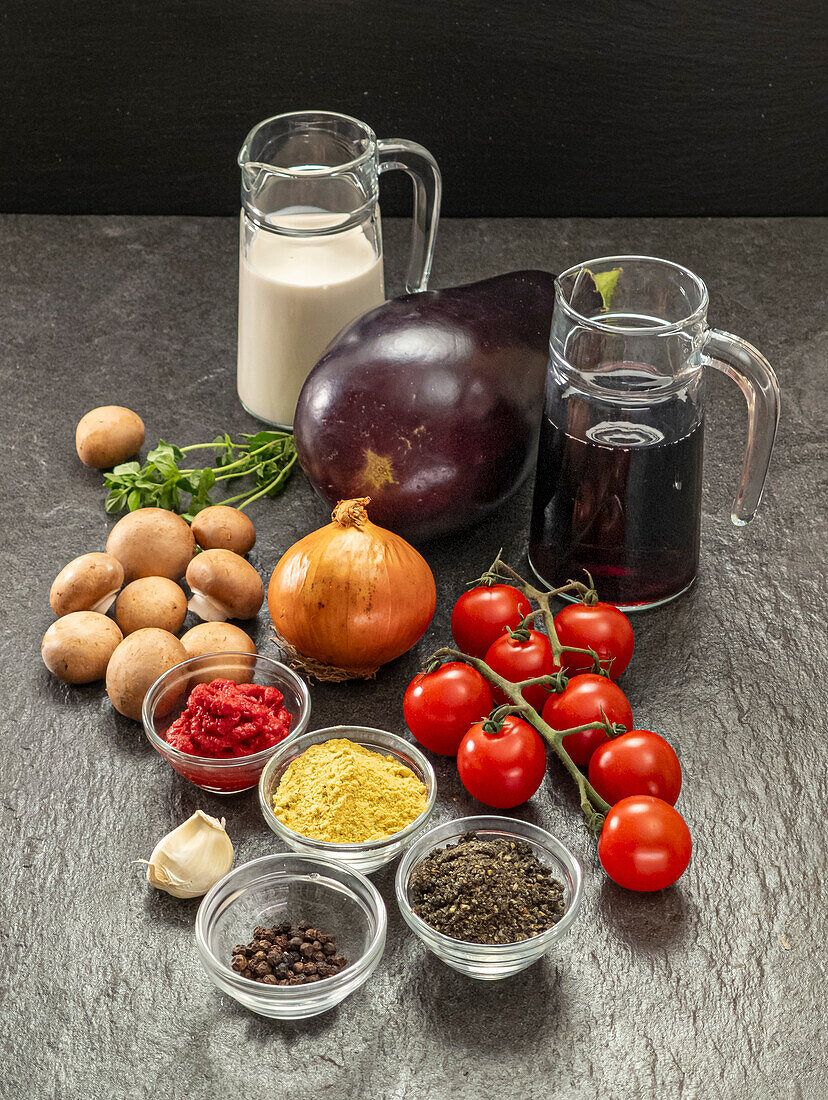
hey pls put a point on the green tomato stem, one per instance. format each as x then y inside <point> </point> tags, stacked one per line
<point>593,806</point>
<point>501,570</point>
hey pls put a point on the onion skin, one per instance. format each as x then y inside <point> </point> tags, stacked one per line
<point>352,595</point>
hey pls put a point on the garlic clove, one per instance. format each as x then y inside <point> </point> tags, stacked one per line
<point>192,858</point>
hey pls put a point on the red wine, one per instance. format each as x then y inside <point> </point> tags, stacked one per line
<point>621,499</point>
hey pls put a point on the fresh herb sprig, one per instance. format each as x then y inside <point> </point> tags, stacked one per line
<point>268,457</point>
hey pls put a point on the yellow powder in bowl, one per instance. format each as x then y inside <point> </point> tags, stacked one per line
<point>345,794</point>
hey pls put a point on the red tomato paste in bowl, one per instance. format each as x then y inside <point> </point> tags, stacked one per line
<point>224,720</point>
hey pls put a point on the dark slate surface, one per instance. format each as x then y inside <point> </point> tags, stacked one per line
<point>712,988</point>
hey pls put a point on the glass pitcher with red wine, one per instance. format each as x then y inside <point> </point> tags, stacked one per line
<point>618,487</point>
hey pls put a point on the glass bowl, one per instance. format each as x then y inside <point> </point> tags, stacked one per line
<point>167,698</point>
<point>490,962</point>
<point>373,854</point>
<point>339,901</point>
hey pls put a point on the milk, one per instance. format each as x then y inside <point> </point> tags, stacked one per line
<point>295,294</point>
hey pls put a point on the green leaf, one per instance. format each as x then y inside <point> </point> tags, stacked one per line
<point>165,458</point>
<point>267,457</point>
<point>605,283</point>
<point>126,468</point>
<point>206,481</point>
<point>260,438</point>
<point>115,502</point>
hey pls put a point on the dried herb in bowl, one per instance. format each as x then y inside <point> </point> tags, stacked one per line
<point>486,891</point>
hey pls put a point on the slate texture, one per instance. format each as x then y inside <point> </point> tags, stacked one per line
<point>715,988</point>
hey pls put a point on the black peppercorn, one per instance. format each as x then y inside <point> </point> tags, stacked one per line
<point>287,955</point>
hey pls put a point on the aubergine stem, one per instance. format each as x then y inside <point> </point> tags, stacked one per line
<point>499,570</point>
<point>594,807</point>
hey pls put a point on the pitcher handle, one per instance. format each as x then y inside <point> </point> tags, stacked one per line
<point>755,377</point>
<point>428,189</point>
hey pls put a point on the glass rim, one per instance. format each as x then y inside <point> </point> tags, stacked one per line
<point>491,823</point>
<point>227,763</point>
<point>660,327</point>
<point>345,976</point>
<point>245,161</point>
<point>365,846</point>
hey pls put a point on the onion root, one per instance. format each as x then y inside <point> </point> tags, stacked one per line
<point>318,670</point>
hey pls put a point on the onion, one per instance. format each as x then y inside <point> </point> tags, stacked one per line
<point>351,596</point>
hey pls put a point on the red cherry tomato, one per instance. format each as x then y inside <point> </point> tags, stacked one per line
<point>483,613</point>
<point>645,844</point>
<point>502,769</point>
<point>601,627</point>
<point>638,762</point>
<point>581,702</point>
<point>522,660</point>
<point>440,706</point>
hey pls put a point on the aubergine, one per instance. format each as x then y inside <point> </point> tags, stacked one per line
<point>431,403</point>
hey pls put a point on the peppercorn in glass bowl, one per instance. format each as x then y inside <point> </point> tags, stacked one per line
<point>370,855</point>
<point>167,699</point>
<point>485,961</point>
<point>291,888</point>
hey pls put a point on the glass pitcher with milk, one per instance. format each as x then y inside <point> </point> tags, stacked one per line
<point>310,251</point>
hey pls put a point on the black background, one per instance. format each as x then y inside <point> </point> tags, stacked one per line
<point>593,108</point>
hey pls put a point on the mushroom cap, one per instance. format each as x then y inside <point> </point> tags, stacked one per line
<point>228,580</point>
<point>78,646</point>
<point>217,638</point>
<point>108,435</point>
<point>224,528</point>
<point>212,639</point>
<point>87,583</point>
<point>151,601</point>
<point>152,542</point>
<point>135,666</point>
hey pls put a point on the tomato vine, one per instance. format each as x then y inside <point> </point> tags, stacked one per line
<point>593,806</point>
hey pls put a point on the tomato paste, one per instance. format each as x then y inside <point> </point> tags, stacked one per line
<point>223,719</point>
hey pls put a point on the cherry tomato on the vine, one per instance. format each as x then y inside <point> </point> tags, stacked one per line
<point>638,762</point>
<point>516,659</point>
<point>502,769</point>
<point>601,627</point>
<point>483,613</point>
<point>645,844</point>
<point>581,702</point>
<point>440,706</point>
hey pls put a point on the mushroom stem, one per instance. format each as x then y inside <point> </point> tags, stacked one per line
<point>211,611</point>
<point>105,602</point>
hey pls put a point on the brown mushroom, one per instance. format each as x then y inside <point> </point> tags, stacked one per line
<point>224,585</point>
<point>108,435</point>
<point>87,583</point>
<point>77,647</point>
<point>217,637</point>
<point>213,639</point>
<point>152,542</point>
<point>151,601</point>
<point>135,666</point>
<point>224,528</point>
